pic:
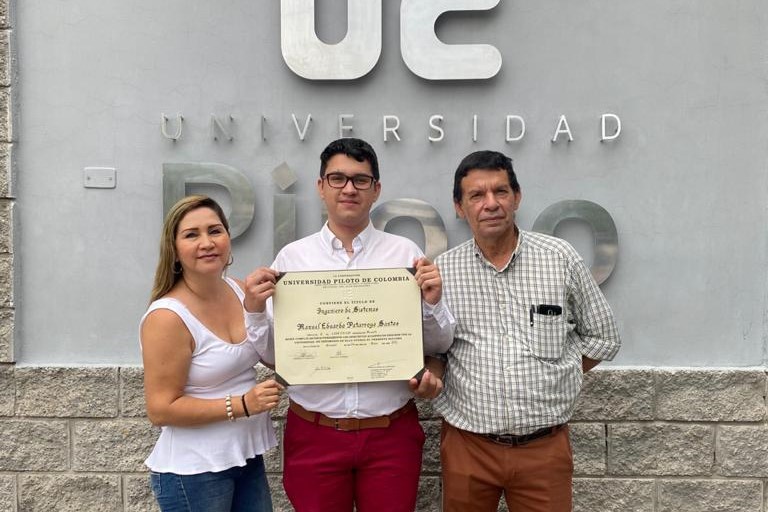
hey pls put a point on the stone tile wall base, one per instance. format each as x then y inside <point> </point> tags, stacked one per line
<point>70,493</point>
<point>34,445</point>
<point>138,494</point>
<point>633,450</point>
<point>613,495</point>
<point>710,495</point>
<point>7,493</point>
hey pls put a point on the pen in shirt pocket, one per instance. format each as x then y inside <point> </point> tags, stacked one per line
<point>545,309</point>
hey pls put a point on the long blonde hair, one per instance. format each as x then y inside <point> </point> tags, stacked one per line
<point>165,275</point>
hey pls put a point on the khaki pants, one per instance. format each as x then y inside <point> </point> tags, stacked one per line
<point>535,477</point>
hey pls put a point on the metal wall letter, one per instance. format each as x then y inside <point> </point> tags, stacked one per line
<point>520,120</point>
<point>309,57</point>
<point>164,127</point>
<point>177,175</point>
<point>390,129</point>
<point>283,208</point>
<point>263,127</point>
<point>603,131</point>
<point>301,131</point>
<point>345,127</point>
<point>430,58</point>
<point>435,237</point>
<point>603,227</point>
<point>433,125</point>
<point>217,128</point>
<point>562,127</point>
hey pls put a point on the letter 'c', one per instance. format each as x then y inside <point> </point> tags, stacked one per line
<point>430,58</point>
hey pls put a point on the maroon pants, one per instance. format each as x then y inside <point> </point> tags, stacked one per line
<point>535,477</point>
<point>375,469</point>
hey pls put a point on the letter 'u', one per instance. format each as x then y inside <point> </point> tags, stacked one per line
<point>309,57</point>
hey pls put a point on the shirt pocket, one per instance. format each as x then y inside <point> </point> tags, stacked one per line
<point>544,334</point>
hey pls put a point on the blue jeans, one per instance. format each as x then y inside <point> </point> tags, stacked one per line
<point>237,489</point>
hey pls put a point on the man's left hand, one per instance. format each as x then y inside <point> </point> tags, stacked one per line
<point>429,280</point>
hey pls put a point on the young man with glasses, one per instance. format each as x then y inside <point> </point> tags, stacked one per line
<point>375,464</point>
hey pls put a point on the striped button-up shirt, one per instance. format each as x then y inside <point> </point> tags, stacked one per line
<point>515,362</point>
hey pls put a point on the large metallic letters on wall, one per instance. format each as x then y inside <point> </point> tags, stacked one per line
<point>359,51</point>
<point>309,57</point>
<point>430,58</point>
<point>176,176</point>
<point>606,237</point>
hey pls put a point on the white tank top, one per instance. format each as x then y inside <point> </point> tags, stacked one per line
<point>217,368</point>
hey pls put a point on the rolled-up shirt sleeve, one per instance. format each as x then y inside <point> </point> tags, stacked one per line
<point>438,327</point>
<point>258,328</point>
<point>594,318</point>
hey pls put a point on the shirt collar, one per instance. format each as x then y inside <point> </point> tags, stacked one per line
<point>515,254</point>
<point>334,244</point>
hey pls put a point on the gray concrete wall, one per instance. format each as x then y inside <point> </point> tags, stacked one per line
<point>685,183</point>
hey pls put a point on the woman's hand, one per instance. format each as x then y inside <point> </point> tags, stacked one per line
<point>263,396</point>
<point>259,286</point>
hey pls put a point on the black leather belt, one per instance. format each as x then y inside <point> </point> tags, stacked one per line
<point>515,440</point>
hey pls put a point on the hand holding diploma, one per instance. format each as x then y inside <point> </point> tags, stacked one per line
<point>429,386</point>
<point>428,279</point>
<point>431,383</point>
<point>262,397</point>
<point>259,286</point>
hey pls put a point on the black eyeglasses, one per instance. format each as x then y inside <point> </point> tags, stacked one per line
<point>359,181</point>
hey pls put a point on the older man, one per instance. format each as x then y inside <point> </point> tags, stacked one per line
<point>530,320</point>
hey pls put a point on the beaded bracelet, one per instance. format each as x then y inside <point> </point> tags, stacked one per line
<point>245,409</point>
<point>228,403</point>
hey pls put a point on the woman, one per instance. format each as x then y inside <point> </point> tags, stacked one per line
<point>198,369</point>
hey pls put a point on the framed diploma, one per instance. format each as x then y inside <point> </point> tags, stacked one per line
<point>344,326</point>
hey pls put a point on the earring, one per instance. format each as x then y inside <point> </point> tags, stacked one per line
<point>177,267</point>
<point>231,259</point>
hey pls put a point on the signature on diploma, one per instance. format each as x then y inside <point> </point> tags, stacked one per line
<point>384,365</point>
<point>381,369</point>
<point>304,355</point>
<point>339,355</point>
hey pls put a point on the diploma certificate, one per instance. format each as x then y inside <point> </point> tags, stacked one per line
<point>344,326</point>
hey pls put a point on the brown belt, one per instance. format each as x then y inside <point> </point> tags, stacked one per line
<point>349,424</point>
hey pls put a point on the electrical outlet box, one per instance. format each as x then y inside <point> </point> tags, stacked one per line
<point>99,177</point>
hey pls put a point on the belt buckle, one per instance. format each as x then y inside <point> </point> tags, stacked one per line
<point>337,424</point>
<point>538,434</point>
<point>511,439</point>
<point>515,440</point>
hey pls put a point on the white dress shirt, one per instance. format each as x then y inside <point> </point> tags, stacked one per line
<point>372,249</point>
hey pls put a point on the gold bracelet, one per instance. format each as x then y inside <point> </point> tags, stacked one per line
<point>228,403</point>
